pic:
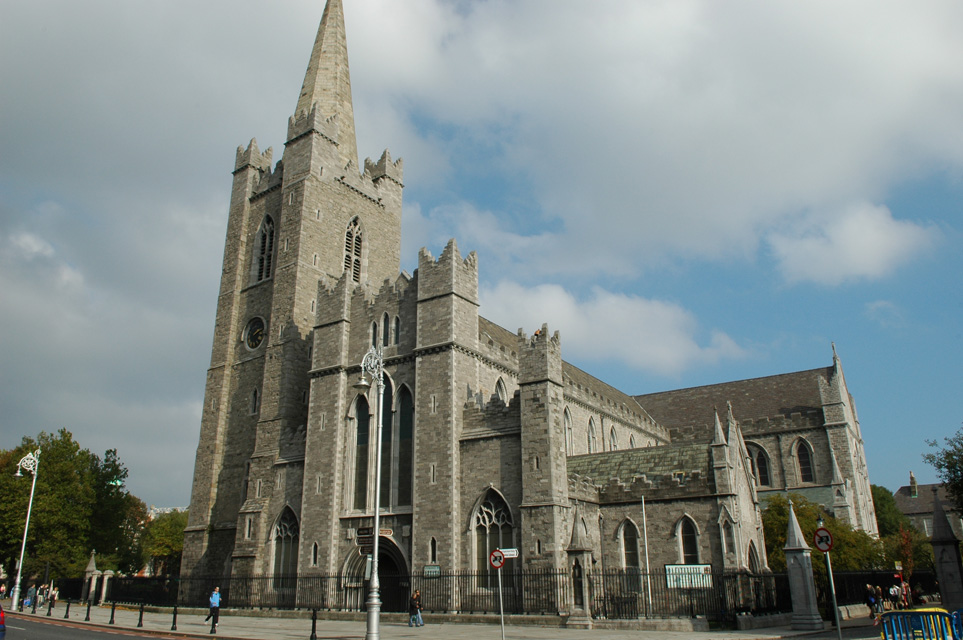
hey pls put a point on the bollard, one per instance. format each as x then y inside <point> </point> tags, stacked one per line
<point>87,619</point>
<point>36,597</point>
<point>213,627</point>
<point>113,605</point>
<point>174,623</point>
<point>314,624</point>
<point>50,606</point>
<point>67,612</point>
<point>140,619</point>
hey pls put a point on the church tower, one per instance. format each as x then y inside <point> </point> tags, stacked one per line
<point>315,219</point>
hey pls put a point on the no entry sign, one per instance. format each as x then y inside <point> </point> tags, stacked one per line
<point>497,559</point>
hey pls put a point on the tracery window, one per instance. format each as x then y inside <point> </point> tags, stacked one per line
<point>804,456</point>
<point>286,534</point>
<point>493,529</point>
<point>263,251</point>
<point>353,244</point>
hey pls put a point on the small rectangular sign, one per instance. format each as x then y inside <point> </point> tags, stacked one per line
<point>432,571</point>
<point>386,532</point>
<point>365,551</point>
<point>364,540</point>
<point>365,531</point>
<point>510,553</point>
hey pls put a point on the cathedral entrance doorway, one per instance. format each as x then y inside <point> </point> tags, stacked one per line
<point>392,574</point>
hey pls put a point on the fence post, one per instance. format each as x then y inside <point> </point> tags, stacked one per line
<point>174,623</point>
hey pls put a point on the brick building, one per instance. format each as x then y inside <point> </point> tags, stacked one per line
<point>490,438</point>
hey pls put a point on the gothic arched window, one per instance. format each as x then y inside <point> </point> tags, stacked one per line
<point>397,331</point>
<point>385,330</point>
<point>286,533</point>
<point>569,433</point>
<point>630,555</point>
<point>613,440</point>
<point>804,456</point>
<point>387,429</point>
<point>353,244</point>
<point>362,424</point>
<point>263,251</point>
<point>688,541</point>
<point>501,391</point>
<point>493,529</point>
<point>593,444</point>
<point>760,465</point>
<point>753,558</point>
<point>406,434</point>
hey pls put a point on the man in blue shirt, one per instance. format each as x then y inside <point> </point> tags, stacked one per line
<point>215,606</point>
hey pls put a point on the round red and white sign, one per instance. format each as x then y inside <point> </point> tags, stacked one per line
<point>497,559</point>
<point>822,539</point>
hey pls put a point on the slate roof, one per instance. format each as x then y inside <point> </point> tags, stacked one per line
<point>771,396</point>
<point>499,335</point>
<point>652,462</point>
<point>922,505</point>
<point>591,383</point>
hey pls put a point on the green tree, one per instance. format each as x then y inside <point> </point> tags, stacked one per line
<point>852,550</point>
<point>163,543</point>
<point>72,507</point>
<point>889,518</point>
<point>948,462</point>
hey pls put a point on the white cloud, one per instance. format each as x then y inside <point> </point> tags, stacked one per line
<point>654,336</point>
<point>861,241</point>
<point>886,313</point>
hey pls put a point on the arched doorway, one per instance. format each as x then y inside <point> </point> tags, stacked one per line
<point>392,574</point>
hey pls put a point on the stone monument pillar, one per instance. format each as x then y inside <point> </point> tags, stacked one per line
<point>946,558</point>
<point>799,565</point>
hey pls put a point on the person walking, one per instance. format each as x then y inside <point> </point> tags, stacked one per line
<point>414,610</point>
<point>215,607</point>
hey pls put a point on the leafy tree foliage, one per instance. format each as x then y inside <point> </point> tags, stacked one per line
<point>80,504</point>
<point>902,542</point>
<point>889,518</point>
<point>852,550</point>
<point>163,543</point>
<point>948,462</point>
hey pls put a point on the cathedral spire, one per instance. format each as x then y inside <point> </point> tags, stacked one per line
<point>327,83</point>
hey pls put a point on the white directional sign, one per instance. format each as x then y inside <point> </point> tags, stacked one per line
<point>823,540</point>
<point>497,559</point>
<point>510,553</point>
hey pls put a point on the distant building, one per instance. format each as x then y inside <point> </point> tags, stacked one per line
<point>915,501</point>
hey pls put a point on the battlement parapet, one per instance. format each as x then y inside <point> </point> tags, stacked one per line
<point>678,484</point>
<point>582,488</point>
<point>385,168</point>
<point>305,122</point>
<point>252,157</point>
<point>448,274</point>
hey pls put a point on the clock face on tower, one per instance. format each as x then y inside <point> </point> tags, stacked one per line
<point>254,333</point>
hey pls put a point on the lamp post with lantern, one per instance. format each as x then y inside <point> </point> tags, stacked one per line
<point>30,463</point>
<point>374,364</point>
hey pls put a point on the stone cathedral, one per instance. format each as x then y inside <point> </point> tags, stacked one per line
<point>490,438</point>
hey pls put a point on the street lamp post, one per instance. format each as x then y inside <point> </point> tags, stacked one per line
<point>374,364</point>
<point>30,462</point>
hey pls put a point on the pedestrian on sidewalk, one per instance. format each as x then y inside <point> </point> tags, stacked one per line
<point>215,606</point>
<point>414,610</point>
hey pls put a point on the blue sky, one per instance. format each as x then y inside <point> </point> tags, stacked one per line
<point>691,192</point>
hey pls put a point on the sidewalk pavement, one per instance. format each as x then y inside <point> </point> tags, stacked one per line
<point>241,625</point>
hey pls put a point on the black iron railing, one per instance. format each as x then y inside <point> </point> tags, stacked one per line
<point>617,595</point>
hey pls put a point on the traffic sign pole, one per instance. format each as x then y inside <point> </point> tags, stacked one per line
<point>823,541</point>
<point>497,561</point>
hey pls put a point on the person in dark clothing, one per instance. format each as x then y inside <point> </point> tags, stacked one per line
<point>414,610</point>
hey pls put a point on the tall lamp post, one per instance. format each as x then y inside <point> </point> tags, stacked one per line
<point>29,462</point>
<point>374,364</point>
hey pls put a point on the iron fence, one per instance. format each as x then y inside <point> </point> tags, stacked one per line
<point>617,595</point>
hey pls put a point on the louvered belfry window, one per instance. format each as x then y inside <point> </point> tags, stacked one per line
<point>353,245</point>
